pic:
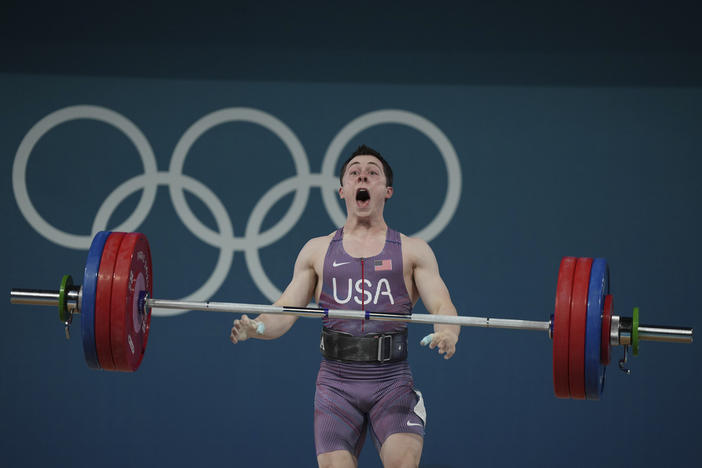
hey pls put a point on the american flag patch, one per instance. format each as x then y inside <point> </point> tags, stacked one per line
<point>382,265</point>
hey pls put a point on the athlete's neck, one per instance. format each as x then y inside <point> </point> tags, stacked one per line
<point>364,240</point>
<point>365,227</point>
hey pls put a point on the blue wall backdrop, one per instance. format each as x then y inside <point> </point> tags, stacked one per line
<point>540,168</point>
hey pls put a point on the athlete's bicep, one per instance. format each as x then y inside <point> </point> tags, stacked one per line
<point>430,285</point>
<point>301,288</point>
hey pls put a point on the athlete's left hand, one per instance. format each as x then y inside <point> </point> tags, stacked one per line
<point>444,340</point>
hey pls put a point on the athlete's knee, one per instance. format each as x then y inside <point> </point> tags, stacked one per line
<point>401,460</point>
<point>336,459</point>
<point>402,451</point>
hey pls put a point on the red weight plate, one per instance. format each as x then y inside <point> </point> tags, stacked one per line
<point>130,324</point>
<point>578,324</point>
<point>606,324</point>
<point>103,300</point>
<point>561,327</point>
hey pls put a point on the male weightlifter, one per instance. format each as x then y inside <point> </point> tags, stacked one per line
<point>364,379</point>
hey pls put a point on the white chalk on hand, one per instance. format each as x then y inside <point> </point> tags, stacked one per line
<point>260,327</point>
<point>427,339</point>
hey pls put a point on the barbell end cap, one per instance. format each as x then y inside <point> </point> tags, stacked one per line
<point>141,302</point>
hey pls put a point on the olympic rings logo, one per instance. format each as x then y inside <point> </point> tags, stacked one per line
<point>225,239</point>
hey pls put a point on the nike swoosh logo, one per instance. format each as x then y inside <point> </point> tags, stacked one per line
<point>412,424</point>
<point>339,264</point>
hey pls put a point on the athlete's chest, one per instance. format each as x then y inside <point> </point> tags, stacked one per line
<point>365,271</point>
<point>361,249</point>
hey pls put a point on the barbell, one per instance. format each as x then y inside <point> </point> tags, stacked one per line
<point>115,302</point>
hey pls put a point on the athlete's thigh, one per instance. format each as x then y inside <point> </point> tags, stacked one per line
<point>400,410</point>
<point>338,424</point>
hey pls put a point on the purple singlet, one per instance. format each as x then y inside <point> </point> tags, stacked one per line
<point>376,284</point>
<point>351,397</point>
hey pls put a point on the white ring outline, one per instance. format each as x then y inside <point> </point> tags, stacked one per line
<point>19,171</point>
<point>176,181</point>
<point>238,114</point>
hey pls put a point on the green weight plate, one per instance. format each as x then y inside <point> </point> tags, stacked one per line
<point>66,282</point>
<point>635,332</point>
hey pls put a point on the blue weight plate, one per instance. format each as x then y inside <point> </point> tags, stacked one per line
<point>599,288</point>
<point>87,311</point>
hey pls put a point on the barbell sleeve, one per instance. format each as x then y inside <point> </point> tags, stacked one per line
<point>40,297</point>
<point>45,297</point>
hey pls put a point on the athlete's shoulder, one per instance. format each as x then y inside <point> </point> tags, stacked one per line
<point>413,243</point>
<point>317,244</point>
<point>313,250</point>
<point>415,249</point>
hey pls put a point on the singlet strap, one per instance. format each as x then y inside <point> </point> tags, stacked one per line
<point>393,236</point>
<point>338,235</point>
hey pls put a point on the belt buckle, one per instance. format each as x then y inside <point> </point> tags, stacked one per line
<point>380,348</point>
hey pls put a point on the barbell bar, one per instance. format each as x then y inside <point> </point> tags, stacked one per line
<point>51,298</point>
<point>115,302</point>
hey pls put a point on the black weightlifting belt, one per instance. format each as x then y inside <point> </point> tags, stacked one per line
<point>377,347</point>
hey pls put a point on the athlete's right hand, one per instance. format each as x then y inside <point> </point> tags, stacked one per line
<point>245,328</point>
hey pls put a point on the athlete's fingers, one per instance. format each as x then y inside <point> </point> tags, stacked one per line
<point>234,335</point>
<point>427,339</point>
<point>432,339</point>
<point>239,332</point>
<point>244,327</point>
<point>442,345</point>
<point>443,342</point>
<point>253,325</point>
<point>435,340</point>
<point>450,351</point>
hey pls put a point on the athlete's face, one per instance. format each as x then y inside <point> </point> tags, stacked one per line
<point>364,186</point>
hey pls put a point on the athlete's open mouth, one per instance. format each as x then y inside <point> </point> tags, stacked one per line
<point>362,195</point>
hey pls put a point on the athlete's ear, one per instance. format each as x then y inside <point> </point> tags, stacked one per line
<point>388,192</point>
<point>341,192</point>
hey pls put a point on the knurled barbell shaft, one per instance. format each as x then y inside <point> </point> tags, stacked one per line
<point>464,321</point>
<point>51,298</point>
